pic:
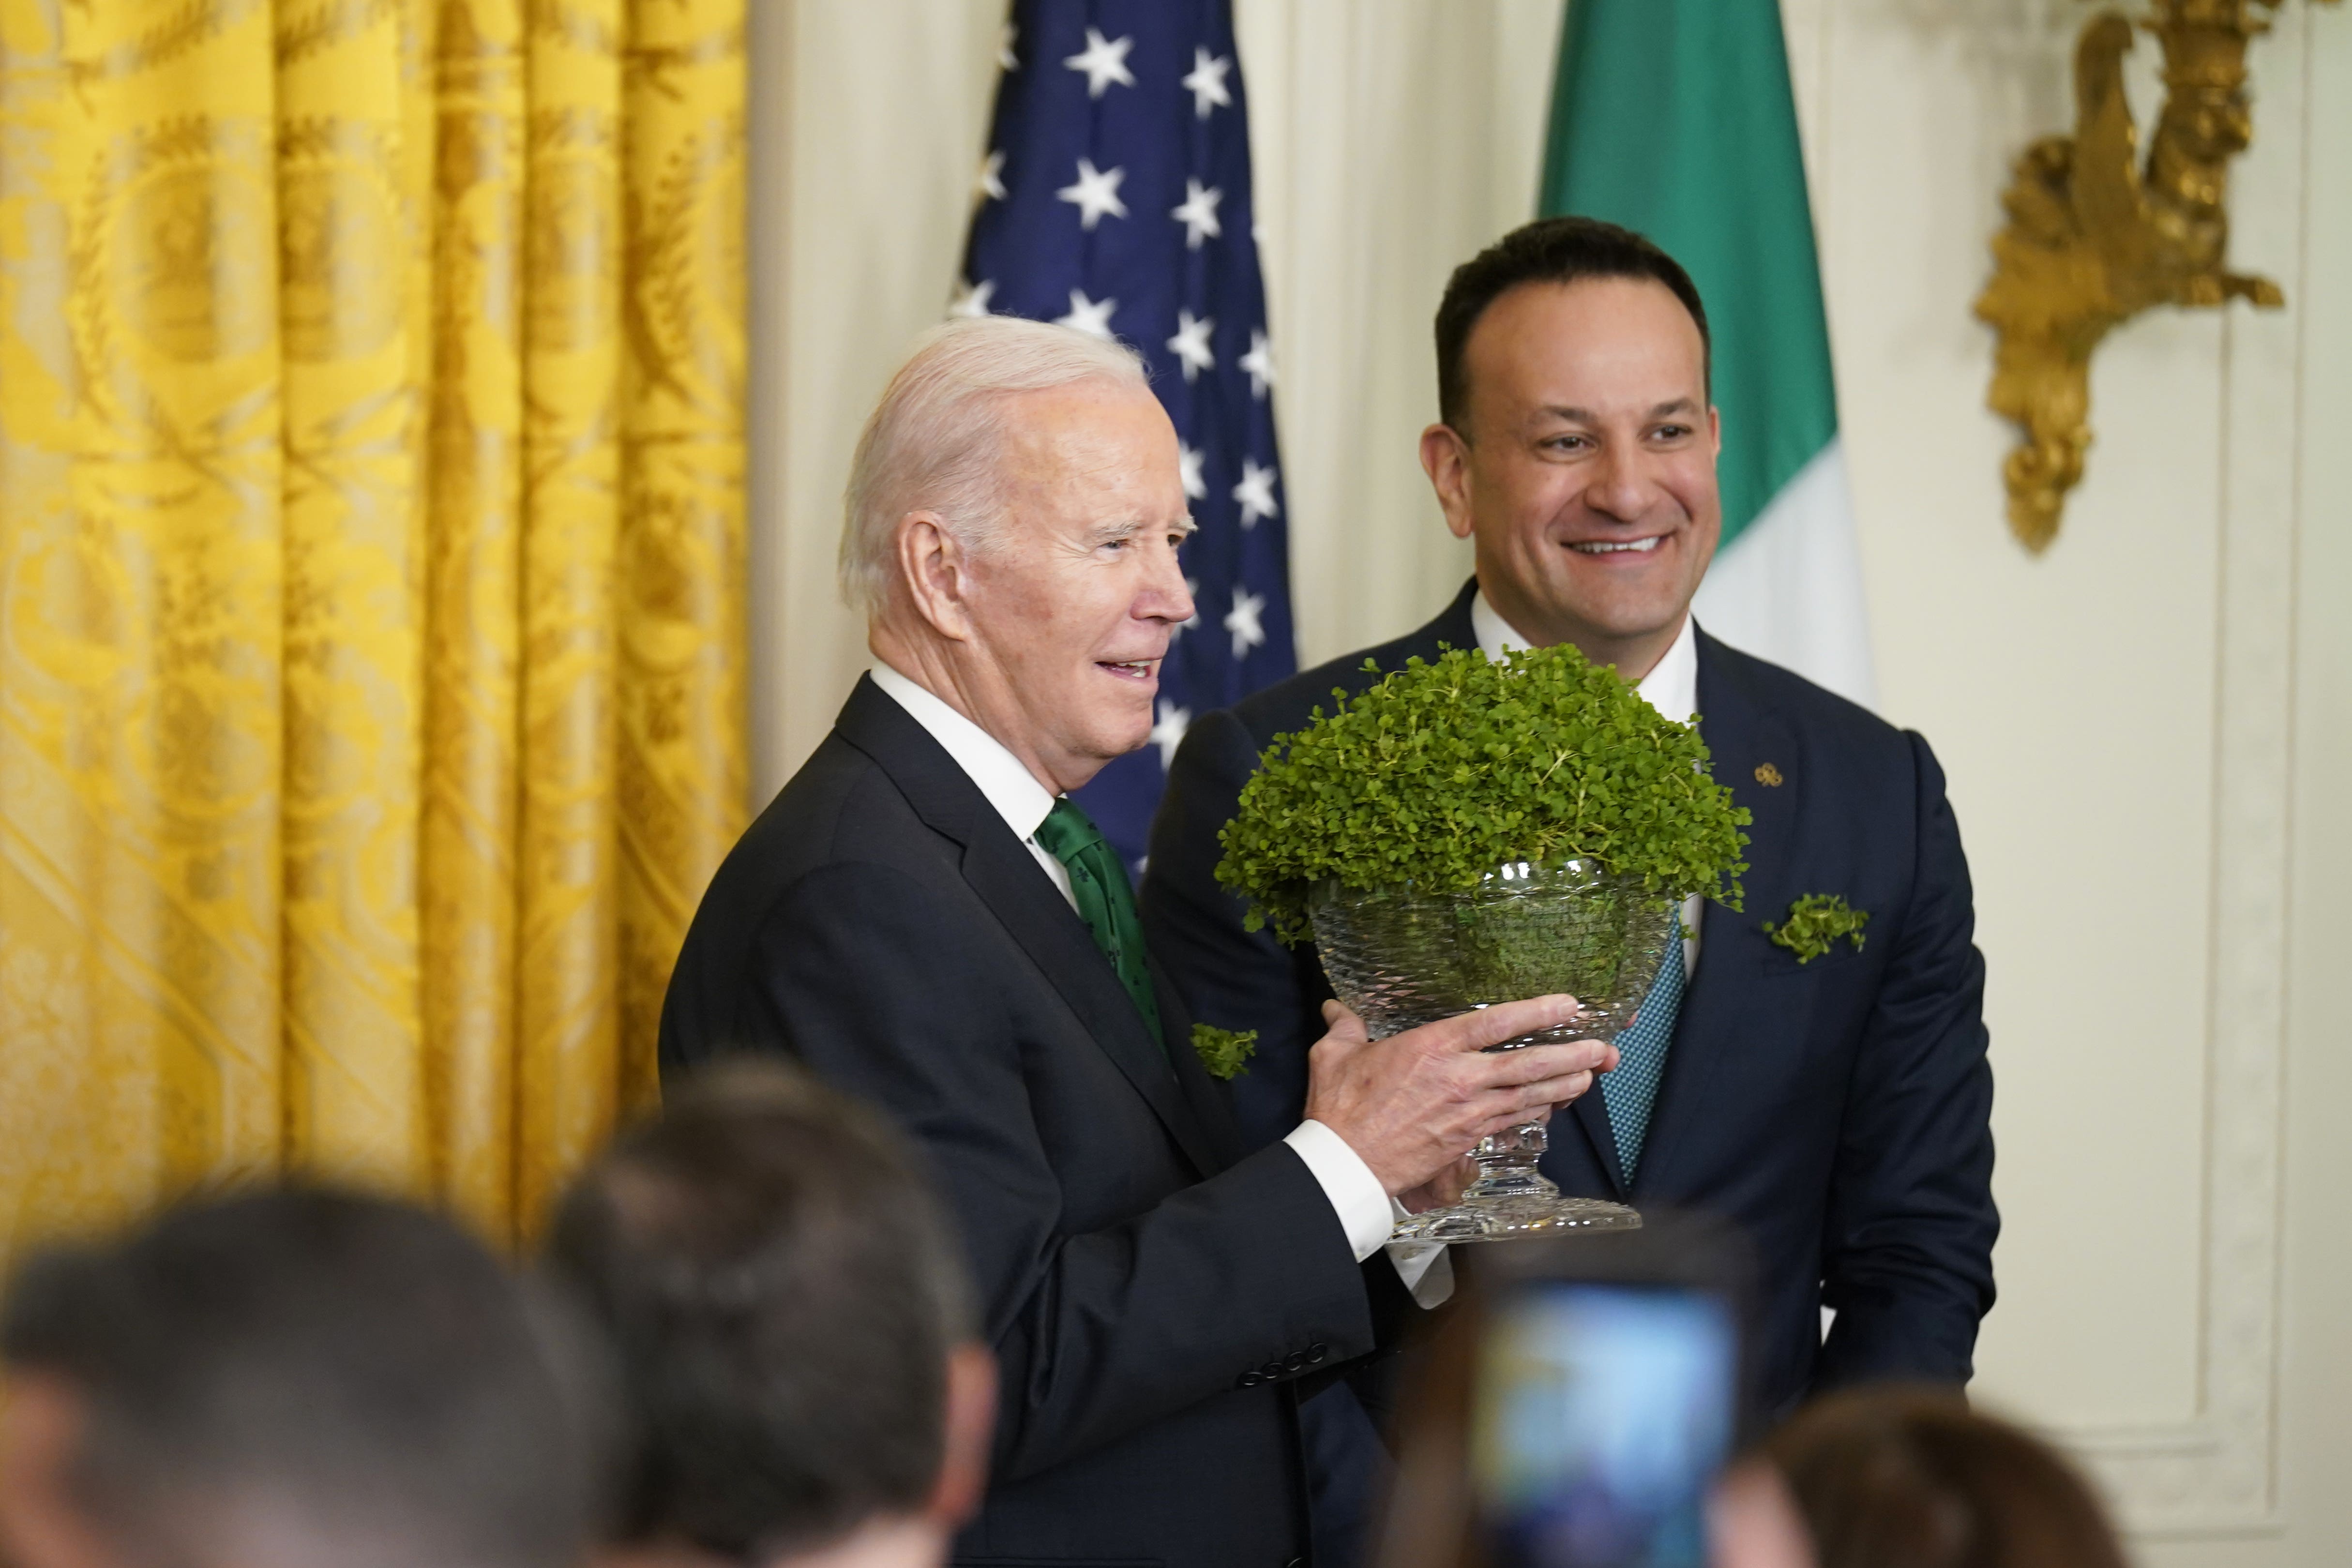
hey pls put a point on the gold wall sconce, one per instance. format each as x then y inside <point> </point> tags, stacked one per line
<point>2095,236</point>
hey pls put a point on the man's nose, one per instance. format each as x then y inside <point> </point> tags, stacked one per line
<point>1166,595</point>
<point>1619,487</point>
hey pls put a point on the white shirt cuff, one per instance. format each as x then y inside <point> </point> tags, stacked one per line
<point>1363,1204</point>
<point>1368,1214</point>
<point>1425,1266</point>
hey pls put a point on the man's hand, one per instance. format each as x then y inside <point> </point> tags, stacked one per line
<point>1410,1105</point>
<point>1443,1190</point>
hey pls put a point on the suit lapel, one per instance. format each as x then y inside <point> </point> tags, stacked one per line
<point>1591,1112</point>
<point>1745,739</point>
<point>1000,869</point>
<point>1452,628</point>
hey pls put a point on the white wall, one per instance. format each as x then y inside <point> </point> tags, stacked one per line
<point>2126,721</point>
<point>2143,728</point>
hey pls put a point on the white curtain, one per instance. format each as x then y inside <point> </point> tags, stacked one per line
<point>1392,138</point>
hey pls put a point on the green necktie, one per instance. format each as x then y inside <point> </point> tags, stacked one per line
<point>1098,884</point>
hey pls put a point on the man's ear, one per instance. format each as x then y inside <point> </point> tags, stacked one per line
<point>1445,459</point>
<point>970,1422</point>
<point>936,570</point>
<point>1714,427</point>
<point>41,1428</point>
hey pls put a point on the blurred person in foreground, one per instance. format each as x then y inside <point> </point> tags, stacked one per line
<point>926,920</point>
<point>801,1383</point>
<point>1902,1476</point>
<point>1837,1106</point>
<point>294,1379</point>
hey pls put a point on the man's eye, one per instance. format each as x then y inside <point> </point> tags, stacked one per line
<point>1567,443</point>
<point>1672,432</point>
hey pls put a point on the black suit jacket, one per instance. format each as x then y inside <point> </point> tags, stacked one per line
<point>1839,1110</point>
<point>1153,1293</point>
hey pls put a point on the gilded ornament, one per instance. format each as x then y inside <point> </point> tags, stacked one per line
<point>2095,236</point>
<point>1767,775</point>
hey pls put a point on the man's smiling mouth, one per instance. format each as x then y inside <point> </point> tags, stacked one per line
<point>1617,546</point>
<point>1133,669</point>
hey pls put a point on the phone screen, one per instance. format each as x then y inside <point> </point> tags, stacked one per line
<point>1603,1413</point>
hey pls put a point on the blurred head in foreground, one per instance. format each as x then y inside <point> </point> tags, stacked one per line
<point>290,1379</point>
<point>1904,1477</point>
<point>794,1327</point>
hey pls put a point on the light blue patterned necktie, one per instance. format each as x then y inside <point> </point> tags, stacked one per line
<point>1629,1092</point>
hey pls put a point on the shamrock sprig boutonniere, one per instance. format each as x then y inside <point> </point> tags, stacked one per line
<point>1225,1053</point>
<point>1815,922</point>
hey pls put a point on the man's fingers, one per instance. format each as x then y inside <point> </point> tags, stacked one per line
<point>1340,1019</point>
<point>1533,1104</point>
<point>1514,1020</point>
<point>1505,1069</point>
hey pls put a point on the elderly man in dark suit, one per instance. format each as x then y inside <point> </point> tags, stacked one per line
<point>925,919</point>
<point>1838,1108</point>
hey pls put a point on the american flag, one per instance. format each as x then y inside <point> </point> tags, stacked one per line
<point>1115,197</point>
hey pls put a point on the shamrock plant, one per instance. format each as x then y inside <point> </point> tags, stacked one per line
<point>1444,771</point>
<point>1815,924</point>
<point>1223,1052</point>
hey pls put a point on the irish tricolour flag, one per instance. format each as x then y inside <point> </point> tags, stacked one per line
<point>1675,117</point>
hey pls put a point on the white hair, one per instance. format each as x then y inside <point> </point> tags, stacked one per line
<point>933,442</point>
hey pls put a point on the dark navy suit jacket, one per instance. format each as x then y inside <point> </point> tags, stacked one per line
<point>1838,1110</point>
<point>1156,1295</point>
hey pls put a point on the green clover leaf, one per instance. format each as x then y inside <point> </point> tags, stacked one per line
<point>1815,922</point>
<point>1225,1053</point>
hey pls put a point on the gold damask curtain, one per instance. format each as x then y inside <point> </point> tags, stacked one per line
<point>370,564</point>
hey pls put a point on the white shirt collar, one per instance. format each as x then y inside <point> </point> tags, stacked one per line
<point>1008,784</point>
<point>1671,687</point>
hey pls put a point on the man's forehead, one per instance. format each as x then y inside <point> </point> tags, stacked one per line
<point>1581,352</point>
<point>1597,316</point>
<point>1112,451</point>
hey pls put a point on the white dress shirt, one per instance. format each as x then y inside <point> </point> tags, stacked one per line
<point>1671,688</point>
<point>1366,1211</point>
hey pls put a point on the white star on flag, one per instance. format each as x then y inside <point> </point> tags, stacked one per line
<point>1242,621</point>
<point>1103,61</point>
<point>1004,55</point>
<point>1198,214</point>
<point>972,299</point>
<point>1207,82</point>
<point>1088,315</point>
<point>1188,460</point>
<point>992,177</point>
<point>1256,492</point>
<point>1095,193</point>
<point>1191,347</point>
<point>1169,732</point>
<point>1258,362</point>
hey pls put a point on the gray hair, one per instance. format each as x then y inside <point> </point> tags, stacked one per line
<point>933,442</point>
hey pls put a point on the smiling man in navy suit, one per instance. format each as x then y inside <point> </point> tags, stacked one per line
<point>1838,1108</point>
